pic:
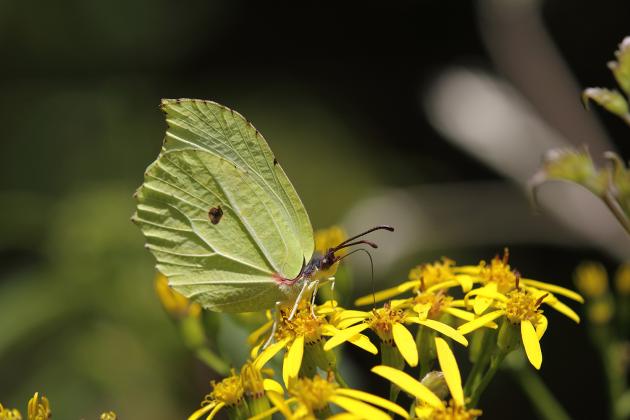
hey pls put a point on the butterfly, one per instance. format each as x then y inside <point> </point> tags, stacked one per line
<point>222,219</point>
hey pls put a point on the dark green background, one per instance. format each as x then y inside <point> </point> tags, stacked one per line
<point>334,87</point>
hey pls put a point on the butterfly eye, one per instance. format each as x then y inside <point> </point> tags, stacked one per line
<point>215,214</point>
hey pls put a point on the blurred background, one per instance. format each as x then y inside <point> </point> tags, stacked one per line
<point>427,115</point>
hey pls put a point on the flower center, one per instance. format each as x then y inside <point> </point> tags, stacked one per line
<point>382,322</point>
<point>521,306</point>
<point>438,302</point>
<point>499,272</point>
<point>252,380</point>
<point>455,412</point>
<point>302,324</point>
<point>313,393</point>
<point>229,390</point>
<point>429,274</point>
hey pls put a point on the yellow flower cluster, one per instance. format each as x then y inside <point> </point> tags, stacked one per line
<point>439,303</point>
<point>38,408</point>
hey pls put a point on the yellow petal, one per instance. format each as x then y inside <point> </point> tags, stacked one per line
<point>465,281</point>
<point>344,416</point>
<point>480,322</point>
<point>203,410</point>
<point>554,289</point>
<point>406,344</point>
<point>409,385</point>
<point>253,337</point>
<point>253,353</point>
<point>531,344</point>
<point>344,335</point>
<point>363,342</point>
<point>358,408</point>
<point>442,285</point>
<point>424,411</point>
<point>342,325</point>
<point>541,326</point>
<point>468,269</point>
<point>271,385</point>
<point>269,352</point>
<point>386,294</point>
<point>352,314</point>
<point>448,364</point>
<point>373,399</point>
<point>280,404</point>
<point>293,360</point>
<point>215,410</point>
<point>445,329</point>
<point>481,303</point>
<point>422,309</point>
<point>563,309</point>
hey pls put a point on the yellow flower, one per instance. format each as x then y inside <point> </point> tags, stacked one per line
<point>388,323</point>
<point>303,333</point>
<point>521,307</point>
<point>434,276</point>
<point>429,405</point>
<point>9,414</point>
<point>310,399</point>
<point>229,392</point>
<point>174,303</point>
<point>591,279</point>
<point>110,415</point>
<point>498,276</point>
<point>326,239</point>
<point>38,408</point>
<point>622,279</point>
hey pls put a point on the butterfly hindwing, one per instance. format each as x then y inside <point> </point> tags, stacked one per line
<point>220,220</point>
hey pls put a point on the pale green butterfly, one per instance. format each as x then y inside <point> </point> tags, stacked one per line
<point>221,217</point>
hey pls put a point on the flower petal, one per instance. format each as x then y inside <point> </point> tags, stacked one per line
<point>344,335</point>
<point>445,329</point>
<point>422,309</point>
<point>373,399</point>
<point>269,352</point>
<point>541,326</point>
<point>406,344</point>
<point>344,416</point>
<point>386,294</point>
<point>465,281</point>
<point>253,337</point>
<point>215,410</point>
<point>271,385</point>
<point>480,322</point>
<point>481,303</point>
<point>409,385</point>
<point>562,308</point>
<point>448,364</point>
<point>280,403</point>
<point>363,342</point>
<point>358,408</point>
<point>203,410</point>
<point>554,289</point>
<point>293,359</point>
<point>531,344</point>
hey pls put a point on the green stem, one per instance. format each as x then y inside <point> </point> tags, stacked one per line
<point>542,399</point>
<point>340,380</point>
<point>485,380</point>
<point>488,342</point>
<point>616,210</point>
<point>213,361</point>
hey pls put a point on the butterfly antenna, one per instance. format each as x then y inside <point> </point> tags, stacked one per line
<point>371,270</point>
<point>379,227</point>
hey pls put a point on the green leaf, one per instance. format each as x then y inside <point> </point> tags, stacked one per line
<point>611,100</point>
<point>621,67</point>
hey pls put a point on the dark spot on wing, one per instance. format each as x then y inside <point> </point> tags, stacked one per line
<point>275,161</point>
<point>215,214</point>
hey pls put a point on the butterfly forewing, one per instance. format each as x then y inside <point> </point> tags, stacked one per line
<point>213,159</point>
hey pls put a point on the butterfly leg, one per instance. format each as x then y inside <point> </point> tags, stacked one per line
<point>274,326</point>
<point>315,288</point>
<point>298,299</point>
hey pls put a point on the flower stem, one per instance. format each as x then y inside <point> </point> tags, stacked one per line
<point>542,399</point>
<point>495,362</point>
<point>488,342</point>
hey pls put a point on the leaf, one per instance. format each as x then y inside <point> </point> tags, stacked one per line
<point>611,100</point>
<point>621,67</point>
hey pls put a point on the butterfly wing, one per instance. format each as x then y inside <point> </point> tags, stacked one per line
<point>219,213</point>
